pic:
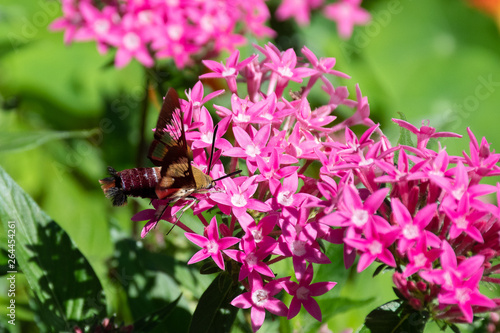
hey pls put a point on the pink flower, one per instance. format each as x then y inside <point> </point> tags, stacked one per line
<point>347,13</point>
<point>298,9</point>
<point>303,293</point>
<point>238,198</point>
<point>465,294</point>
<point>229,71</point>
<point>250,147</point>
<point>260,298</point>
<point>251,259</point>
<point>413,229</point>
<point>212,245</point>
<point>375,245</point>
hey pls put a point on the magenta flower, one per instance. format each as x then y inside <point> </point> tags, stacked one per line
<point>238,198</point>
<point>249,148</point>
<point>260,298</point>
<point>465,294</point>
<point>303,293</point>
<point>413,229</point>
<point>425,133</point>
<point>450,270</point>
<point>212,245</point>
<point>420,258</point>
<point>374,246</point>
<point>347,13</point>
<point>354,213</point>
<point>251,259</point>
<point>229,71</point>
<point>300,10</point>
<point>463,219</point>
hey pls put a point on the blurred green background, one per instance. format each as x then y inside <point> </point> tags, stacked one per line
<point>66,114</point>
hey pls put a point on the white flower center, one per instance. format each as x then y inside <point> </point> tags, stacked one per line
<point>145,17</point>
<point>242,118</point>
<point>229,72</point>
<point>212,247</point>
<point>207,137</point>
<point>251,259</point>
<point>458,193</point>
<point>462,295</point>
<point>345,11</point>
<point>175,31</point>
<point>375,247</point>
<point>257,236</point>
<point>238,200</point>
<point>101,26</point>
<point>207,23</point>
<point>252,150</point>
<point>285,71</point>
<point>462,223</point>
<point>411,231</point>
<point>436,173</point>
<point>260,297</point>
<point>302,293</point>
<point>131,41</point>
<point>285,198</point>
<point>420,260</point>
<point>298,248</point>
<point>359,217</point>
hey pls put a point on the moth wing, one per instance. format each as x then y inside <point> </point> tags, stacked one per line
<point>169,149</point>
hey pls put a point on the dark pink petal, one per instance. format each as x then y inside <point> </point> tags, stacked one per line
<point>199,256</point>
<point>243,301</point>
<point>320,288</point>
<point>212,230</point>
<point>373,202</point>
<point>257,316</point>
<point>226,242</point>
<point>313,308</point>
<point>150,225</point>
<point>218,259</point>
<point>196,239</point>
<point>294,309</point>
<point>276,307</point>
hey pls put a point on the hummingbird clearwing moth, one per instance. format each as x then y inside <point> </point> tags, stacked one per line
<point>174,177</point>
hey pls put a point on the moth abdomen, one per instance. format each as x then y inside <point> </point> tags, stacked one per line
<point>136,182</point>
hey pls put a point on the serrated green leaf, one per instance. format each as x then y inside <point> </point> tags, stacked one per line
<point>22,141</point>
<point>214,312</point>
<point>66,288</point>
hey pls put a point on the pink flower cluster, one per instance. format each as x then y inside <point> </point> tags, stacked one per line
<point>157,29</point>
<point>410,208</point>
<point>347,13</point>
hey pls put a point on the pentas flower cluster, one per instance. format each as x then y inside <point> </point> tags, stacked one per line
<point>419,211</point>
<point>155,29</point>
<point>346,13</point>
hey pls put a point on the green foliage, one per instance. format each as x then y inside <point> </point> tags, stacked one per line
<point>214,312</point>
<point>65,114</point>
<point>50,262</point>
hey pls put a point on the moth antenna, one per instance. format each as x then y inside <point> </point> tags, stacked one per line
<point>228,175</point>
<point>213,149</point>
<point>178,218</point>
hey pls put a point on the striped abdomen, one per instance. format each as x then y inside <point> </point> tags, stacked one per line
<point>137,182</point>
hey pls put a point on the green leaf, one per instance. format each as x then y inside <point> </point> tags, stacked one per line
<point>149,322</point>
<point>214,312</point>
<point>66,288</point>
<point>395,317</point>
<point>21,141</point>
